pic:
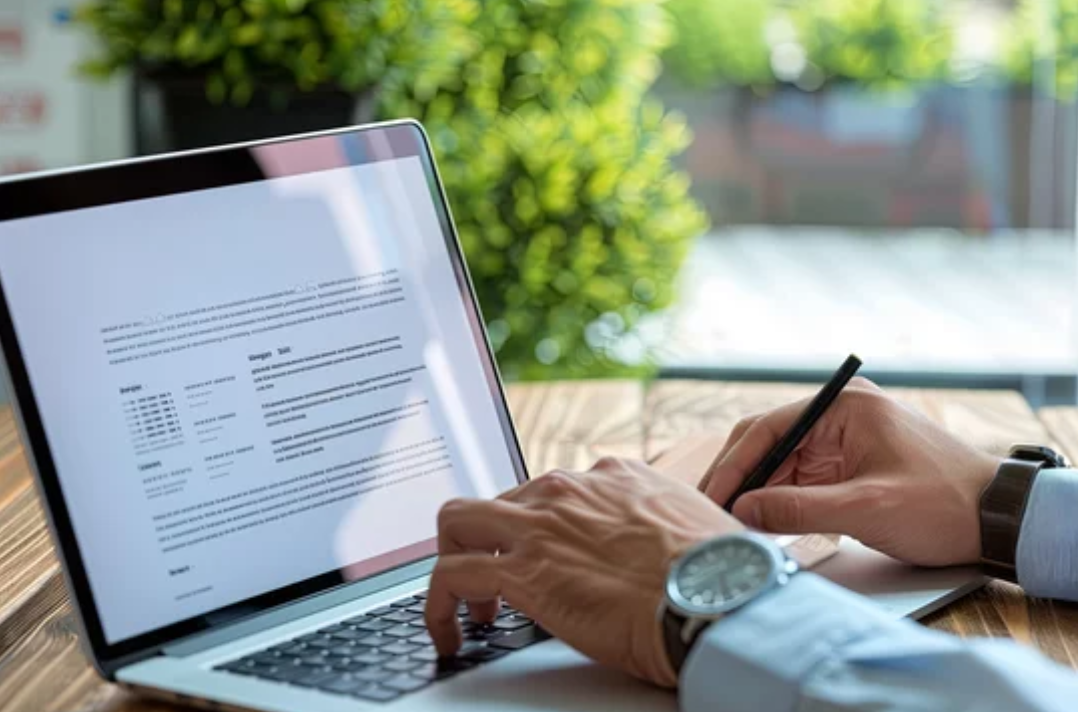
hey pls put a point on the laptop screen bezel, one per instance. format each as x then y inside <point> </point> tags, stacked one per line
<point>174,174</point>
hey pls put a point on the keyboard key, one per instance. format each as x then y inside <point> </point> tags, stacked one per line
<point>323,643</point>
<point>376,640</point>
<point>287,673</point>
<point>239,667</point>
<point>266,658</point>
<point>402,631</point>
<point>422,639</point>
<point>520,638</point>
<point>426,655</point>
<point>470,645</point>
<point>343,685</point>
<point>376,693</point>
<point>400,648</point>
<point>373,675</point>
<point>402,665</point>
<point>402,616</point>
<point>293,650</point>
<point>329,630</point>
<point>380,611</point>
<point>406,683</point>
<point>308,638</point>
<point>314,678</point>
<point>483,633</point>
<point>373,625</point>
<point>512,623</point>
<point>404,602</point>
<point>419,608</point>
<point>314,660</point>
<point>343,651</point>
<point>349,634</point>
<point>372,658</point>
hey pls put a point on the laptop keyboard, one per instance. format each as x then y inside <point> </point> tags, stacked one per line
<point>386,652</point>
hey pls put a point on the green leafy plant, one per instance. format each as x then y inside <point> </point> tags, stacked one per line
<point>559,170</point>
<point>881,44</point>
<point>876,43</point>
<point>720,42</point>
<point>237,46</point>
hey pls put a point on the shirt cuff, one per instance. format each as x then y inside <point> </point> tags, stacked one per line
<point>1046,560</point>
<point>759,656</point>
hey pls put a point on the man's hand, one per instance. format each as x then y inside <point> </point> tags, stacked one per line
<point>583,554</point>
<point>871,468</point>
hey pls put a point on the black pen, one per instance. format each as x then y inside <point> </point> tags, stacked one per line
<point>773,460</point>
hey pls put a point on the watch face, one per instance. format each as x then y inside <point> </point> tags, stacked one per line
<point>722,574</point>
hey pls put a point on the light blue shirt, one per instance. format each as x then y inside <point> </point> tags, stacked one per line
<point>812,646</point>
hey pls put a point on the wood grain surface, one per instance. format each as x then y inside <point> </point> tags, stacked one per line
<point>566,425</point>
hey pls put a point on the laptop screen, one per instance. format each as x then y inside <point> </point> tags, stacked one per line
<point>253,385</point>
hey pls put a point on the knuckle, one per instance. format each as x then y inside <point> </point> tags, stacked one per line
<point>745,423</point>
<point>608,462</point>
<point>451,510</point>
<point>867,400</point>
<point>862,383</point>
<point>554,482</point>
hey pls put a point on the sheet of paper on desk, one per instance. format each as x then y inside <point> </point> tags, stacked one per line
<point>689,459</point>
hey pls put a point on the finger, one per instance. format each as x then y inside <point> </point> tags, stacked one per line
<point>824,509</point>
<point>455,578</point>
<point>758,439</point>
<point>477,525</point>
<point>735,436</point>
<point>484,611</point>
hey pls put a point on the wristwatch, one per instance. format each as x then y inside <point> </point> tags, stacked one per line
<point>1003,506</point>
<point>713,579</point>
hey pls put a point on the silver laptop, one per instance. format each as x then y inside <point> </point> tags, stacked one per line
<point>248,378</point>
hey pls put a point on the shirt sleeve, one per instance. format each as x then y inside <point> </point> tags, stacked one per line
<point>812,646</point>
<point>1047,556</point>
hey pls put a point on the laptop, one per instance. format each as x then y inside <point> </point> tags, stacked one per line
<point>248,378</point>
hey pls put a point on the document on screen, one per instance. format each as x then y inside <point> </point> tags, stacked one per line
<point>249,386</point>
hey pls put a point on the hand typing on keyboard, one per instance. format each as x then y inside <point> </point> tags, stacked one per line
<point>583,554</point>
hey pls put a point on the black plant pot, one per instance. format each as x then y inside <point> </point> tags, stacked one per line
<point>173,112</point>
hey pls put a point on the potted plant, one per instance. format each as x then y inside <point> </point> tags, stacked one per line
<point>229,71</point>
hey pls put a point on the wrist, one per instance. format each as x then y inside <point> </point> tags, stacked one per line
<point>714,580</point>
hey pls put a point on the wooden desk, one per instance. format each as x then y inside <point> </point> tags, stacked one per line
<point>561,425</point>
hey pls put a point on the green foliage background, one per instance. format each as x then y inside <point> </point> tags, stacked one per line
<point>1044,46</point>
<point>880,44</point>
<point>557,164</point>
<point>574,220</point>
